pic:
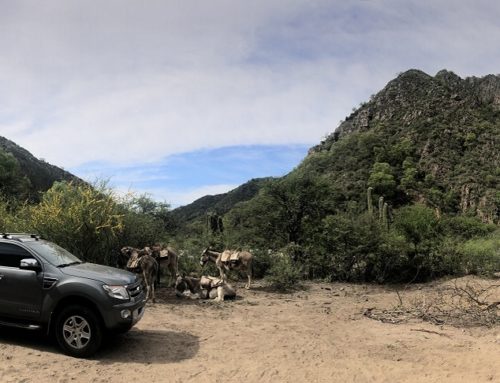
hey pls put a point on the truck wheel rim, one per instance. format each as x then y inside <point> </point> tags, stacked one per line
<point>76,332</point>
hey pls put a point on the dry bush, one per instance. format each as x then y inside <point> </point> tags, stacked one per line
<point>465,302</point>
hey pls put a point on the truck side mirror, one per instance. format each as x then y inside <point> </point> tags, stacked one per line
<point>30,264</point>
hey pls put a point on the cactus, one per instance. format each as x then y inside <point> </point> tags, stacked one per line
<point>385,220</point>
<point>369,201</point>
<point>380,207</point>
<point>214,223</point>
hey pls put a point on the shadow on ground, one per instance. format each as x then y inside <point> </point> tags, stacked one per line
<point>35,340</point>
<point>148,346</point>
<point>138,346</point>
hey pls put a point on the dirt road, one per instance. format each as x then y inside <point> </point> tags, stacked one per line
<point>316,335</point>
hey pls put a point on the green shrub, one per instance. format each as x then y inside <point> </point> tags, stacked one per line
<point>262,261</point>
<point>452,259</point>
<point>283,274</point>
<point>465,227</point>
<point>189,264</point>
<point>481,255</point>
<point>80,218</point>
<point>390,261</point>
<point>6,216</point>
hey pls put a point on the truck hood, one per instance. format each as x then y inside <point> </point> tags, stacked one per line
<point>104,274</point>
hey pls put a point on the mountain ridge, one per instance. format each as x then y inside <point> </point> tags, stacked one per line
<point>436,136</point>
<point>41,175</point>
<point>219,203</point>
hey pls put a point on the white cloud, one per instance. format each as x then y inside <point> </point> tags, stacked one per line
<point>127,81</point>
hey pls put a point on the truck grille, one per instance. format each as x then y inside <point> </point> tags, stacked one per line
<point>135,289</point>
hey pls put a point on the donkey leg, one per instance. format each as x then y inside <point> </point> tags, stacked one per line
<point>249,275</point>
<point>147,292</point>
<point>222,274</point>
<point>172,275</point>
<point>247,286</point>
<point>157,281</point>
<point>220,294</point>
<point>146,281</point>
<point>153,290</point>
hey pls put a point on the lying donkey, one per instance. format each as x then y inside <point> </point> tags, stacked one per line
<point>204,288</point>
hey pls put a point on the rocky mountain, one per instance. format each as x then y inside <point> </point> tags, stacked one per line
<point>415,95</point>
<point>429,139</point>
<point>449,131</point>
<point>37,174</point>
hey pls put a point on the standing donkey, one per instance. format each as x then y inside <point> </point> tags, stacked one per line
<point>229,260</point>
<point>141,261</point>
<point>166,257</point>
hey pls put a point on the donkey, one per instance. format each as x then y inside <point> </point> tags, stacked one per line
<point>124,256</point>
<point>166,257</point>
<point>142,262</point>
<point>204,287</point>
<point>229,260</point>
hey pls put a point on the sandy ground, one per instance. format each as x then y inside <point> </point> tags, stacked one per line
<point>315,335</point>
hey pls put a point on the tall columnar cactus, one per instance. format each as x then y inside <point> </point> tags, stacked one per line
<point>380,207</point>
<point>369,201</point>
<point>385,220</point>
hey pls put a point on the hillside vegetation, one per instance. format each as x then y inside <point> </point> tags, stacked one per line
<point>403,190</point>
<point>91,221</point>
<point>406,189</point>
<point>23,176</point>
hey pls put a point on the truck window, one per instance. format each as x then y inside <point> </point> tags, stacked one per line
<point>11,255</point>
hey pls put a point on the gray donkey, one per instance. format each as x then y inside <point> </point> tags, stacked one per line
<point>141,261</point>
<point>229,260</point>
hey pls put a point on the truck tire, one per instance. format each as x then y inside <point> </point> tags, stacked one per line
<point>78,331</point>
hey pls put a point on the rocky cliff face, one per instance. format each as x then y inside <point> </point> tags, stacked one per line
<point>415,95</point>
<point>454,127</point>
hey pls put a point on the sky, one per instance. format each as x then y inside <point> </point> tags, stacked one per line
<point>180,99</point>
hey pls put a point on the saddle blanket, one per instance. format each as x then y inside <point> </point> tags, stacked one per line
<point>133,262</point>
<point>210,282</point>
<point>164,255</point>
<point>230,256</point>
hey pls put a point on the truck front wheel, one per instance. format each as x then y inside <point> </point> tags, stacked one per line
<point>78,331</point>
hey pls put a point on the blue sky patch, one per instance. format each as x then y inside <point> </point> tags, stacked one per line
<point>178,177</point>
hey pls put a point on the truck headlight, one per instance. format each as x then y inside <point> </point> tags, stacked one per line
<point>118,292</point>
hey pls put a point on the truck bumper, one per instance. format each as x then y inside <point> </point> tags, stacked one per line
<point>124,316</point>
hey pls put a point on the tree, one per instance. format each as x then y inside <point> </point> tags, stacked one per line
<point>145,221</point>
<point>382,179</point>
<point>78,217</point>
<point>418,224</point>
<point>12,181</point>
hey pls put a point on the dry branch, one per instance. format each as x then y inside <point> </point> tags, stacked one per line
<point>461,304</point>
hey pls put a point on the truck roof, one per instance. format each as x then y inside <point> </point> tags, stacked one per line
<point>20,237</point>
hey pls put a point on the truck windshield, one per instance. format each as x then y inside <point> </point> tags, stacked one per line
<point>53,253</point>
